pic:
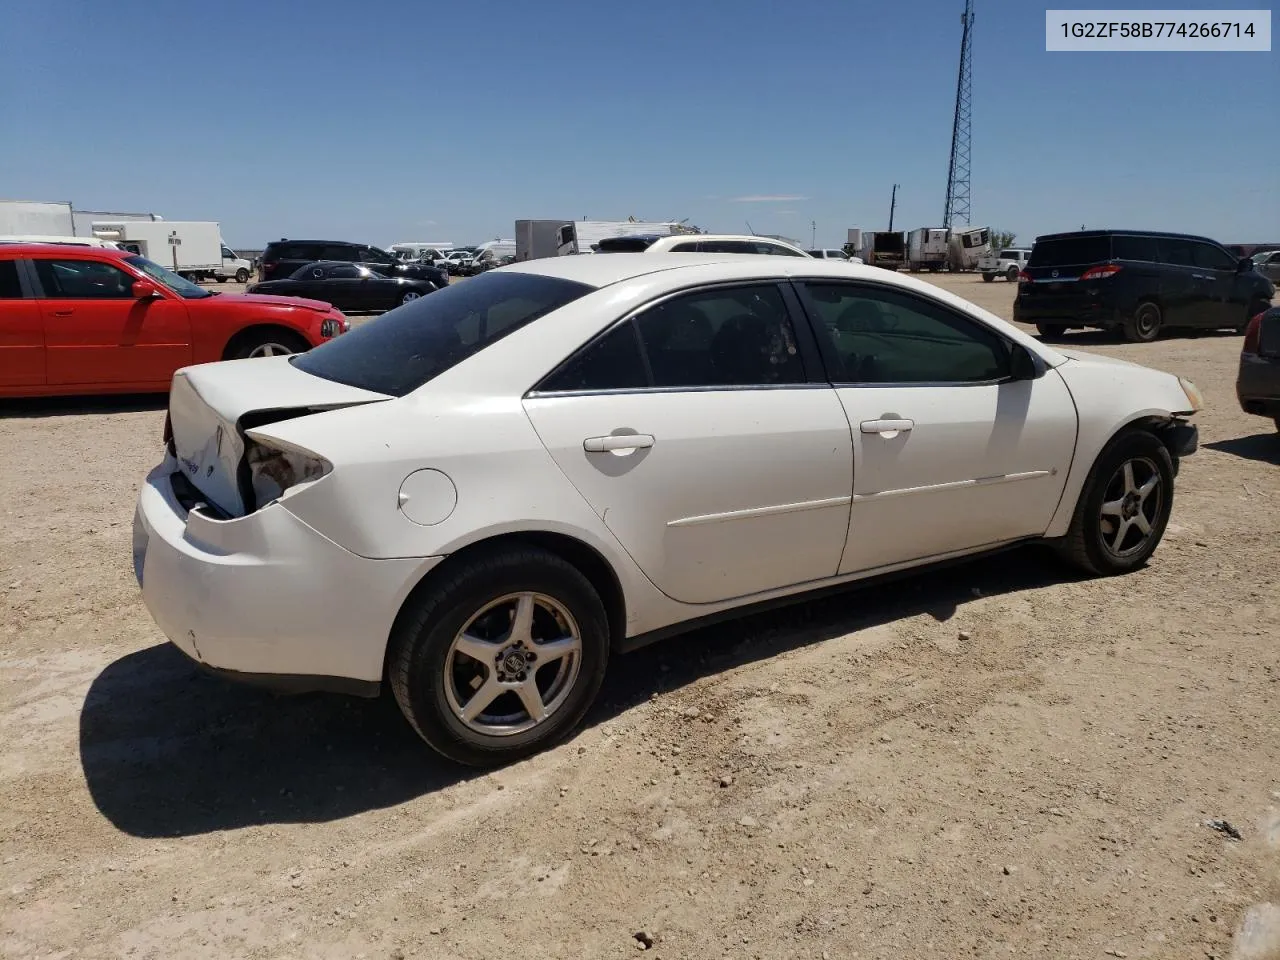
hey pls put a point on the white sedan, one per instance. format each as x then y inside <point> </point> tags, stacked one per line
<point>483,495</point>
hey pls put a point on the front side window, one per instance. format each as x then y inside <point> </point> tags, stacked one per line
<point>1176,251</point>
<point>1212,258</point>
<point>403,349</point>
<point>1140,249</point>
<point>726,337</point>
<point>882,336</point>
<point>83,280</point>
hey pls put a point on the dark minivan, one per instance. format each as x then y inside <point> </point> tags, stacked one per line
<point>1138,282</point>
<point>283,258</point>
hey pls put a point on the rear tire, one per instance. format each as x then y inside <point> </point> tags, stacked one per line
<point>1144,326</point>
<point>1107,534</point>
<point>267,343</point>
<point>988,277</point>
<point>1050,331</point>
<point>431,667</point>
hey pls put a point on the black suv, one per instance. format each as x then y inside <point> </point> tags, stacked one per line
<point>1138,282</point>
<point>282,258</point>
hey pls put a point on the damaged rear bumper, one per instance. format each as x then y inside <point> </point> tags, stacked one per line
<point>265,598</point>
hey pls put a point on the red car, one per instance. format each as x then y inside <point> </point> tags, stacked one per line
<point>80,320</point>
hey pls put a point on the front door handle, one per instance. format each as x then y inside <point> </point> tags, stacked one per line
<point>617,441</point>
<point>886,428</point>
<point>63,313</point>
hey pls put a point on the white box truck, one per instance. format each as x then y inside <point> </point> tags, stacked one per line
<point>190,248</point>
<point>36,217</point>
<point>966,247</point>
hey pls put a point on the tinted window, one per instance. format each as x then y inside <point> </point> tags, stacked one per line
<point>343,271</point>
<point>335,251</point>
<point>879,336</point>
<point>298,251</point>
<point>775,250</point>
<point>84,280</point>
<point>10,289</point>
<point>624,244</point>
<point>307,272</point>
<point>688,247</point>
<point>613,362</point>
<point>373,255</point>
<point>1070,251</point>
<point>1144,249</point>
<point>404,349</point>
<point>1176,251</point>
<point>1212,258</point>
<point>726,246</point>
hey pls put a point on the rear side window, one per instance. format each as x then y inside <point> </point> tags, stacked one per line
<point>10,288</point>
<point>1070,251</point>
<point>1143,249</point>
<point>403,349</point>
<point>730,336</point>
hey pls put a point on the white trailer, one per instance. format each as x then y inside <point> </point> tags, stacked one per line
<point>36,217</point>
<point>83,220</point>
<point>190,248</point>
<point>550,238</point>
<point>966,247</point>
<point>927,248</point>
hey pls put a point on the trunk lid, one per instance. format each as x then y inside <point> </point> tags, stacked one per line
<point>211,405</point>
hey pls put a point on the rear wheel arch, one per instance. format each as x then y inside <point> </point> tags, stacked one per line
<point>585,558</point>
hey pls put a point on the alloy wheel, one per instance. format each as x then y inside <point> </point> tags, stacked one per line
<point>269,350</point>
<point>1131,506</point>
<point>513,664</point>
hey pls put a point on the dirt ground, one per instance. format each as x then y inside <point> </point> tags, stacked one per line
<point>996,760</point>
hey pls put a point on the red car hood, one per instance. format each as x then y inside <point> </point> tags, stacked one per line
<point>267,300</point>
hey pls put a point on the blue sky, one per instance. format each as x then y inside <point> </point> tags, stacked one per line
<point>382,122</point>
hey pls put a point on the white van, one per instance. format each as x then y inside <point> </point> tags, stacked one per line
<point>494,250</point>
<point>419,251</point>
<point>68,241</point>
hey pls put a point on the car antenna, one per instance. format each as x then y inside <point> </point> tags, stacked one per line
<point>749,229</point>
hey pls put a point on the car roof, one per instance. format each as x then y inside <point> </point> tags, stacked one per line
<point>1126,233</point>
<point>332,243</point>
<point>600,270</point>
<point>66,250</point>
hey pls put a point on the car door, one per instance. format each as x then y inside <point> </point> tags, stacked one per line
<point>701,431</point>
<point>345,286</point>
<point>951,453</point>
<point>97,332</point>
<point>1225,295</point>
<point>1270,267</point>
<point>22,351</point>
<point>1185,291</point>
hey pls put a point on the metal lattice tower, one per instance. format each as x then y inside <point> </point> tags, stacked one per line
<point>961,130</point>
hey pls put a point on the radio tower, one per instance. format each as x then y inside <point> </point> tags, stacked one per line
<point>961,128</point>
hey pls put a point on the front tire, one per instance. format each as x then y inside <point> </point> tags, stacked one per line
<point>988,277</point>
<point>501,659</point>
<point>269,343</point>
<point>1144,326</point>
<point>1124,507</point>
<point>242,275</point>
<point>1011,274</point>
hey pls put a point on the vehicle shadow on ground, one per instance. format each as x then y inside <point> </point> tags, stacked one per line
<point>1101,338</point>
<point>1263,447</point>
<point>169,751</point>
<point>37,407</point>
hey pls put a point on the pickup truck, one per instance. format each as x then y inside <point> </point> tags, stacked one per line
<point>1008,264</point>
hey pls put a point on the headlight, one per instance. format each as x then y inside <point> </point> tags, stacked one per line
<point>1193,393</point>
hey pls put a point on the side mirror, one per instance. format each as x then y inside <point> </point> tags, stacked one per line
<point>142,289</point>
<point>1244,265</point>
<point>1022,365</point>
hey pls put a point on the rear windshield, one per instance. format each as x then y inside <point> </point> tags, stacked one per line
<point>1069,251</point>
<point>624,244</point>
<point>403,349</point>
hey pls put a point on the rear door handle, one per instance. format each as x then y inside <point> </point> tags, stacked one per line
<point>617,441</point>
<point>63,313</point>
<point>886,427</point>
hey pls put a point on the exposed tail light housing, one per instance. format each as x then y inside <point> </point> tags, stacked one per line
<point>275,468</point>
<point>1101,272</point>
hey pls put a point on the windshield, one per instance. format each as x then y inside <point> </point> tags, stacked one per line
<point>405,348</point>
<point>1261,257</point>
<point>183,288</point>
<point>1012,254</point>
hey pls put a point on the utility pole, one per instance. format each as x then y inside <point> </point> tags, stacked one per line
<point>813,239</point>
<point>893,202</point>
<point>961,129</point>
